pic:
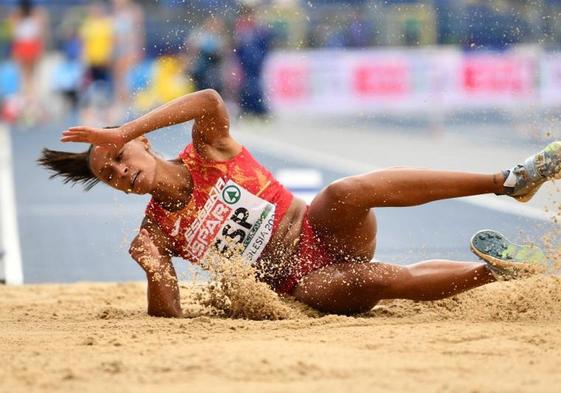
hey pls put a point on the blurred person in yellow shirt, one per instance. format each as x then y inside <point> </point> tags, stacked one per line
<point>97,37</point>
<point>96,33</point>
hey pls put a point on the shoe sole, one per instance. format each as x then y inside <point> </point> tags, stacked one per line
<point>525,198</point>
<point>513,268</point>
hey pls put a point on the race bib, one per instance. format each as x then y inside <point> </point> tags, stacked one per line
<point>232,218</point>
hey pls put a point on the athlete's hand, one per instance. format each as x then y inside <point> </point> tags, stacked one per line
<point>95,136</point>
<point>144,251</point>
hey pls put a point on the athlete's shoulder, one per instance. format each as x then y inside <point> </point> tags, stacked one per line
<point>223,150</point>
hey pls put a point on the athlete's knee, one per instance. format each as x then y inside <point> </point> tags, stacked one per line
<point>345,191</point>
<point>356,296</point>
<point>396,280</point>
<point>343,289</point>
<point>360,295</point>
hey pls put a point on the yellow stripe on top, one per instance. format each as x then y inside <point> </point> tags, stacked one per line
<point>263,188</point>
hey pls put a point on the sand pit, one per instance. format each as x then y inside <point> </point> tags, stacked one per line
<point>92,337</point>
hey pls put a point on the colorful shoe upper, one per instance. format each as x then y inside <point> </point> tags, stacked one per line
<point>524,180</point>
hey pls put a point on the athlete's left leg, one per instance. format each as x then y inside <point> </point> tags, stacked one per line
<point>348,288</point>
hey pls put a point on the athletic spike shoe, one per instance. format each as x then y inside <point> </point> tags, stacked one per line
<point>524,180</point>
<point>507,260</point>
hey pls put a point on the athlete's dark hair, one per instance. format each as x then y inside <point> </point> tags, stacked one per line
<point>72,167</point>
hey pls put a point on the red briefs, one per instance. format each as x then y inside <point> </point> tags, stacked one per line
<point>311,255</point>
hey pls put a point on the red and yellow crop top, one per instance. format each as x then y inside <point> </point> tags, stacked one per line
<point>236,202</point>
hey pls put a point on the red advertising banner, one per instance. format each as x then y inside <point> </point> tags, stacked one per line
<point>382,79</point>
<point>498,75</point>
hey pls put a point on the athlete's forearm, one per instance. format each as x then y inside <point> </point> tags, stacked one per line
<point>163,289</point>
<point>192,106</point>
<point>163,293</point>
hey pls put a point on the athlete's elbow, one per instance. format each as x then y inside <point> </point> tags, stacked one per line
<point>213,99</point>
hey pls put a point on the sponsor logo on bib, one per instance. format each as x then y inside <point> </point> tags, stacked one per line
<point>231,194</point>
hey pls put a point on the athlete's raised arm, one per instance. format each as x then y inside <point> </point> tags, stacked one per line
<point>206,107</point>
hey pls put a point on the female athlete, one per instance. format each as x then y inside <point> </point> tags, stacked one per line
<point>215,194</point>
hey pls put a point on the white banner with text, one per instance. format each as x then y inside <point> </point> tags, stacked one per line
<point>403,80</point>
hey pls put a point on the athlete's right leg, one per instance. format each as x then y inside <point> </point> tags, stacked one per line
<point>398,187</point>
<point>410,186</point>
<point>342,212</point>
<point>348,288</point>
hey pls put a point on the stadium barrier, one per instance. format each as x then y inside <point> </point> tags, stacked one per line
<point>344,81</point>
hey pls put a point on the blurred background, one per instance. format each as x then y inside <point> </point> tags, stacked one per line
<point>317,89</point>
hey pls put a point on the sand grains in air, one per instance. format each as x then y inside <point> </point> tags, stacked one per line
<point>234,292</point>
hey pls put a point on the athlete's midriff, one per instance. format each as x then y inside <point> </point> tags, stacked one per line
<point>209,176</point>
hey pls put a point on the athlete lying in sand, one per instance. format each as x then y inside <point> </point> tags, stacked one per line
<point>215,194</point>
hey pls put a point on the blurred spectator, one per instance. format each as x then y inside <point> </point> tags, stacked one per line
<point>206,48</point>
<point>287,21</point>
<point>412,32</point>
<point>128,28</point>
<point>96,34</point>
<point>167,81</point>
<point>334,37</point>
<point>5,36</point>
<point>70,73</point>
<point>359,30</point>
<point>493,28</point>
<point>252,44</point>
<point>29,31</point>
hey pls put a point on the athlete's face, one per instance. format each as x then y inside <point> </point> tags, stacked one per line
<point>130,169</point>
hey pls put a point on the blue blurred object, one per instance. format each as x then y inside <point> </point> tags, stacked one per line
<point>138,78</point>
<point>68,76</point>
<point>253,43</point>
<point>9,79</point>
<point>203,5</point>
<point>73,48</point>
<point>164,37</point>
<point>489,28</point>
